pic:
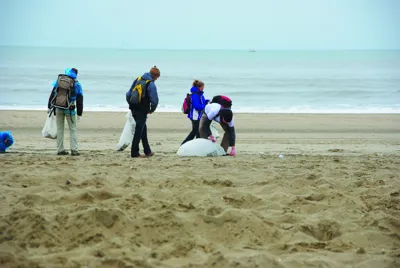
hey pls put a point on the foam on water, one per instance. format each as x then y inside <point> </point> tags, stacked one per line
<point>261,82</point>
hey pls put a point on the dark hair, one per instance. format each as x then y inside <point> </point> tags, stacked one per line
<point>226,114</point>
<point>75,70</point>
<point>198,83</point>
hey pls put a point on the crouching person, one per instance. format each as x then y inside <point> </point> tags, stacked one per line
<point>224,116</point>
<point>6,140</point>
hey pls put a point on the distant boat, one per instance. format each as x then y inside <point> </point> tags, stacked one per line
<point>252,50</point>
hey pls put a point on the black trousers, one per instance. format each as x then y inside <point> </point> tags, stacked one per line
<point>195,133</point>
<point>140,134</point>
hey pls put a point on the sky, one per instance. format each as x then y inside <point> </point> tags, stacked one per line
<point>205,24</point>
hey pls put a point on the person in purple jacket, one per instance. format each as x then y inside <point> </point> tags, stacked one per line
<point>198,103</point>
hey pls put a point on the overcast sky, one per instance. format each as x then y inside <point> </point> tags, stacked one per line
<point>204,24</point>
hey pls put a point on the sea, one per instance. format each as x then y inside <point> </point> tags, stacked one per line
<point>257,81</point>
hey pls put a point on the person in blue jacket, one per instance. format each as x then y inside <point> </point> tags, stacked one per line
<point>6,140</point>
<point>198,103</point>
<point>147,105</point>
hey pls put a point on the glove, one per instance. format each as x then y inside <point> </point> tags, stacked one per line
<point>48,111</point>
<point>207,101</point>
<point>79,118</point>
<point>233,151</point>
<point>211,137</point>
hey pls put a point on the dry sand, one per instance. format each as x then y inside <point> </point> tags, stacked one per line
<point>332,201</point>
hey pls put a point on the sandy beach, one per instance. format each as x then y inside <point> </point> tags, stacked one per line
<point>332,201</point>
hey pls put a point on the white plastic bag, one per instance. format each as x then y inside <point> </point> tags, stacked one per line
<point>127,134</point>
<point>50,128</point>
<point>214,131</point>
<point>201,147</point>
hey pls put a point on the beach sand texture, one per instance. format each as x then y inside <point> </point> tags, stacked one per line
<point>333,200</point>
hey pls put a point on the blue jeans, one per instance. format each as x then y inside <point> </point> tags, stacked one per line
<point>140,134</point>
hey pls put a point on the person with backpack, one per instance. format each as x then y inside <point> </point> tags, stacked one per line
<point>66,101</point>
<point>142,98</point>
<point>193,106</point>
<point>219,110</point>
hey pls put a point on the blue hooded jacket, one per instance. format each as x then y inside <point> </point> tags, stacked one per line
<point>77,87</point>
<point>198,104</point>
<point>6,140</point>
<point>151,94</point>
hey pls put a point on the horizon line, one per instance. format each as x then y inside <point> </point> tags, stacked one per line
<point>199,49</point>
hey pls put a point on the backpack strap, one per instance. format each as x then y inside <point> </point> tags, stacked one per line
<point>147,85</point>
<point>140,78</point>
<point>52,110</point>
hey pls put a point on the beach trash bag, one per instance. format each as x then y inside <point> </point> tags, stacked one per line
<point>214,130</point>
<point>127,133</point>
<point>50,127</point>
<point>201,147</point>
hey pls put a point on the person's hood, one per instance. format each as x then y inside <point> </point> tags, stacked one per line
<point>147,76</point>
<point>194,89</point>
<point>6,138</point>
<point>70,73</point>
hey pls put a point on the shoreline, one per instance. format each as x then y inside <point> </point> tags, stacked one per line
<point>235,112</point>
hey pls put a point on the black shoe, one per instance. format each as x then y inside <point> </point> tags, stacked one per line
<point>75,153</point>
<point>63,153</point>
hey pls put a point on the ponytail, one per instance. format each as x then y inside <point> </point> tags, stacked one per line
<point>198,83</point>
